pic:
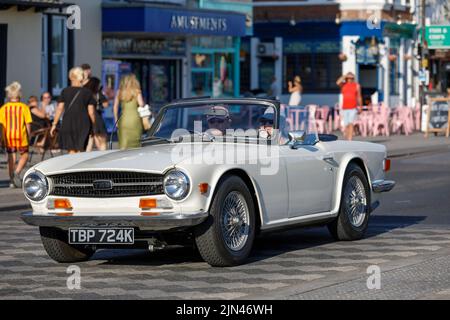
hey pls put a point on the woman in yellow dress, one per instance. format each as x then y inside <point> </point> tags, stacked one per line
<point>130,125</point>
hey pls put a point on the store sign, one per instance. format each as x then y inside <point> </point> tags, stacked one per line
<point>130,46</point>
<point>175,21</point>
<point>438,120</point>
<point>438,37</point>
<point>292,47</point>
<point>190,23</point>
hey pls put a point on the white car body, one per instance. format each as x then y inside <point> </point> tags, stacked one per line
<point>306,189</point>
<point>307,186</point>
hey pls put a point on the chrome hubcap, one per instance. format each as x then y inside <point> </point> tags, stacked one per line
<point>355,201</point>
<point>235,221</point>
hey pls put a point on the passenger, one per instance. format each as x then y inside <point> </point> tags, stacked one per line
<point>266,127</point>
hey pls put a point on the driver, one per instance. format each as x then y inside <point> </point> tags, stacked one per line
<point>218,119</point>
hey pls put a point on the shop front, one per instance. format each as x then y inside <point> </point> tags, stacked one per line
<point>215,66</point>
<point>281,51</point>
<point>381,58</point>
<point>174,52</point>
<point>157,63</point>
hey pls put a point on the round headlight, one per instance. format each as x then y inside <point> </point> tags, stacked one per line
<point>176,185</point>
<point>35,186</point>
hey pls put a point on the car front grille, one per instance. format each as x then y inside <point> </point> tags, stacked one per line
<point>118,184</point>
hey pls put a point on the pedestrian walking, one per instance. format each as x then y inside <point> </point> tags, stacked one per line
<point>295,89</point>
<point>87,72</point>
<point>78,105</point>
<point>15,119</point>
<point>130,126</point>
<point>99,134</point>
<point>274,89</point>
<point>352,98</point>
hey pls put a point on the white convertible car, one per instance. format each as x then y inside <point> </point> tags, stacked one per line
<point>213,173</point>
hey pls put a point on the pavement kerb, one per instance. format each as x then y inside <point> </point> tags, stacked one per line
<point>417,151</point>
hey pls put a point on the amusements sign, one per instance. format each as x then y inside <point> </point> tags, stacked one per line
<point>438,120</point>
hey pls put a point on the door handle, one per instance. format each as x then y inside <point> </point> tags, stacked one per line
<point>327,158</point>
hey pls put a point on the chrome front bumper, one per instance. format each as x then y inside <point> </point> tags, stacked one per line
<point>158,223</point>
<point>383,186</point>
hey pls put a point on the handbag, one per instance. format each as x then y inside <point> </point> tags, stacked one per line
<point>145,113</point>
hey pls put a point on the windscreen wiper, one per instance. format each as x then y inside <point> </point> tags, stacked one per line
<point>156,140</point>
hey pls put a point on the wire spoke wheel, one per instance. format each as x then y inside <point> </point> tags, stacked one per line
<point>235,221</point>
<point>355,200</point>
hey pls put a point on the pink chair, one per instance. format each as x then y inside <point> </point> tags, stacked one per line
<point>314,112</point>
<point>381,121</point>
<point>325,116</point>
<point>402,121</point>
<point>321,115</point>
<point>337,118</point>
<point>295,115</point>
<point>362,123</point>
<point>417,117</point>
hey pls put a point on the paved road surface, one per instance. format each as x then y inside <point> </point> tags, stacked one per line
<point>409,239</point>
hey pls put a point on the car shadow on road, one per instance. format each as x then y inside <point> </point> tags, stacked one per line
<point>266,246</point>
<point>4,184</point>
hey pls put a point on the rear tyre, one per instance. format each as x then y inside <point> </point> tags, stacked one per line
<point>353,219</point>
<point>226,238</point>
<point>57,245</point>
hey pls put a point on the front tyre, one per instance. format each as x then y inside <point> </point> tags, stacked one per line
<point>353,219</point>
<point>57,245</point>
<point>226,237</point>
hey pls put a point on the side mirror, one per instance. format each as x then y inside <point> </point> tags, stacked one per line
<point>296,138</point>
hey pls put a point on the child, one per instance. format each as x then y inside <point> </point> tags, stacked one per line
<point>15,118</point>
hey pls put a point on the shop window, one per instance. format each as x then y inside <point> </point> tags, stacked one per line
<point>394,71</point>
<point>44,54</point>
<point>223,84</point>
<point>318,71</point>
<point>202,83</point>
<point>245,66</point>
<point>201,60</point>
<point>213,60</point>
<point>59,54</point>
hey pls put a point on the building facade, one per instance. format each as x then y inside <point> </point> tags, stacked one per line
<point>437,45</point>
<point>319,40</point>
<point>177,48</point>
<point>37,48</point>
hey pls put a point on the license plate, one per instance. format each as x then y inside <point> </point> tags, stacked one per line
<point>101,236</point>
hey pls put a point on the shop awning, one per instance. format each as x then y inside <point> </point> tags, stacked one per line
<point>23,5</point>
<point>363,29</point>
<point>163,20</point>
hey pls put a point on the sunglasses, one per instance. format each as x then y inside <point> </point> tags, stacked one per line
<point>267,123</point>
<point>216,121</point>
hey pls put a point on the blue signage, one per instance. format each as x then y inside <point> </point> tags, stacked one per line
<point>165,20</point>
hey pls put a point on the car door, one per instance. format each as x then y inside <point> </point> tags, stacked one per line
<point>311,173</point>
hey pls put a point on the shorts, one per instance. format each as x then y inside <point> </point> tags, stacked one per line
<point>21,150</point>
<point>349,116</point>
